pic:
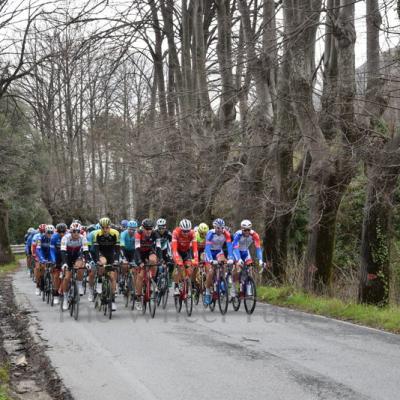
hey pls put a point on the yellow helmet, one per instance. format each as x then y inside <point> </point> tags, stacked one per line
<point>203,228</point>
<point>105,222</point>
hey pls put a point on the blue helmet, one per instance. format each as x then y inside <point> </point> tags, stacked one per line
<point>219,223</point>
<point>97,226</point>
<point>132,224</point>
<point>124,223</point>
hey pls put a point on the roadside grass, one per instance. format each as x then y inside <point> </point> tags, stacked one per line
<point>11,267</point>
<point>4,381</point>
<point>387,318</point>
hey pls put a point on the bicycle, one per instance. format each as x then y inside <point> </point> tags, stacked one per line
<point>129,286</point>
<point>149,291</point>
<point>47,292</point>
<point>105,299</point>
<point>163,286</point>
<point>220,289</point>
<point>185,295</point>
<point>73,296</point>
<point>247,290</point>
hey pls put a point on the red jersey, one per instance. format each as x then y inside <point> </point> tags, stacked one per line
<point>183,242</point>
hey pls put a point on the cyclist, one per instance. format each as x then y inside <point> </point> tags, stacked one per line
<point>28,246</point>
<point>166,238</point>
<point>184,249</point>
<point>124,225</point>
<point>56,259</point>
<point>241,242</point>
<point>35,238</point>
<point>73,246</point>
<point>89,236</point>
<point>147,250</point>
<point>106,243</point>
<point>201,233</point>
<point>215,240</point>
<point>128,247</point>
<point>43,255</point>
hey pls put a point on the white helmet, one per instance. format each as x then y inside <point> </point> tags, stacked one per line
<point>50,228</point>
<point>246,224</point>
<point>185,225</point>
<point>75,226</point>
<point>161,222</point>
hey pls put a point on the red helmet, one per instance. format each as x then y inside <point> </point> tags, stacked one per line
<point>42,228</point>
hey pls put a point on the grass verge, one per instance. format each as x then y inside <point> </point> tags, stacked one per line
<point>4,381</point>
<point>387,318</point>
<point>11,267</point>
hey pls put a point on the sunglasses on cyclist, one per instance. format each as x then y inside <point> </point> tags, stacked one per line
<point>246,230</point>
<point>75,231</point>
<point>148,229</point>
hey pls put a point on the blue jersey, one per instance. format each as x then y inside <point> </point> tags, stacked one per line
<point>241,244</point>
<point>215,243</point>
<point>28,242</point>
<point>55,248</point>
<point>127,241</point>
<point>43,248</point>
<point>90,236</point>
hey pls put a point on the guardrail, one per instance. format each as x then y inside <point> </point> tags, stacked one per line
<point>18,248</point>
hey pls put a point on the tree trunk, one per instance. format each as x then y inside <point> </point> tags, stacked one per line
<point>6,255</point>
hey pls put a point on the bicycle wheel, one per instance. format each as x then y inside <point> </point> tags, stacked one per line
<point>160,287</point>
<point>178,301</point>
<point>48,288</point>
<point>62,299</point>
<point>223,297</point>
<point>43,288</point>
<point>84,283</point>
<point>189,297</point>
<point>165,295</point>
<point>76,302</point>
<point>51,294</point>
<point>153,299</point>
<point>71,300</point>
<point>250,295</point>
<point>109,303</point>
<point>104,295</point>
<point>128,290</point>
<point>143,298</point>
<point>235,299</point>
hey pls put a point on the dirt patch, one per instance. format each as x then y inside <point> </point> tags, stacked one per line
<point>31,373</point>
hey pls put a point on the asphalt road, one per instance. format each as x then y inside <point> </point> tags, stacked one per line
<point>274,354</point>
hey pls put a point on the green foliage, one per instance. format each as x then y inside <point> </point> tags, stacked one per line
<point>19,168</point>
<point>349,224</point>
<point>387,318</point>
<point>4,381</point>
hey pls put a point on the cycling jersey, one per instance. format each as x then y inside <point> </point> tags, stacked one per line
<point>106,243</point>
<point>241,244</point>
<point>166,239</point>
<point>182,243</point>
<point>43,248</point>
<point>28,243</point>
<point>201,242</point>
<point>72,248</point>
<point>215,243</point>
<point>35,239</point>
<point>127,240</point>
<point>55,248</point>
<point>146,245</point>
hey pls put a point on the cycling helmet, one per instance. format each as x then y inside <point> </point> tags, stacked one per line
<point>97,226</point>
<point>91,228</point>
<point>203,228</point>
<point>75,226</point>
<point>219,223</point>
<point>161,223</point>
<point>147,223</point>
<point>42,228</point>
<point>132,224</point>
<point>105,222</point>
<point>50,228</point>
<point>77,221</point>
<point>185,225</point>
<point>246,224</point>
<point>61,227</point>
<point>124,223</point>
<point>30,230</point>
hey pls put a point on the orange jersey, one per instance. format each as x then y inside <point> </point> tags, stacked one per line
<point>182,242</point>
